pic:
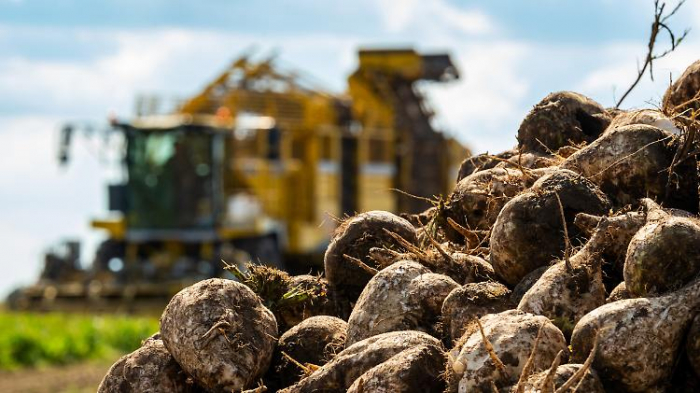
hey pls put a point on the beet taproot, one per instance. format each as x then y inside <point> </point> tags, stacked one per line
<point>291,298</point>
<point>637,341</point>
<point>561,119</point>
<point>469,302</point>
<point>544,382</point>
<point>313,342</point>
<point>354,361</point>
<point>651,117</point>
<point>220,333</point>
<point>150,368</point>
<point>478,199</point>
<point>632,162</point>
<point>530,233</point>
<point>415,370</point>
<point>692,345</point>
<point>573,287</point>
<point>682,96</point>
<point>351,243</point>
<point>461,267</point>
<point>472,367</point>
<point>663,256</point>
<point>526,283</point>
<point>531,161</point>
<point>473,164</point>
<point>620,292</point>
<point>404,296</point>
<point>623,227</point>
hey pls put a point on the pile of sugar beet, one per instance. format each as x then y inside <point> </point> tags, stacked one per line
<point>570,263</point>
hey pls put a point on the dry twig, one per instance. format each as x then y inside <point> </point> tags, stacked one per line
<point>360,264</point>
<point>581,373</point>
<point>527,368</point>
<point>547,384</point>
<point>491,351</point>
<point>659,25</point>
<point>567,241</point>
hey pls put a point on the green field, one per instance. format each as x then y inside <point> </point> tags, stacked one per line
<point>32,339</point>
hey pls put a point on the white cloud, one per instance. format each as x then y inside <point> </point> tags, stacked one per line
<point>483,108</point>
<point>171,61</point>
<point>432,16</point>
<point>139,63</point>
<point>613,74</point>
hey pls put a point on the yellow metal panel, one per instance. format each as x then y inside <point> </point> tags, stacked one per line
<point>115,227</point>
<point>368,106</point>
<point>406,63</point>
<point>237,233</point>
<point>328,192</point>
<point>312,237</point>
<point>375,193</point>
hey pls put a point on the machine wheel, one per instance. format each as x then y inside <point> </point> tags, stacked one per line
<point>107,250</point>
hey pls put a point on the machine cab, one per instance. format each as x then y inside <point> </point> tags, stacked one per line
<point>174,168</point>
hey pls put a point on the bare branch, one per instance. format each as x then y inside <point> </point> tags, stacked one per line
<point>491,351</point>
<point>567,242</point>
<point>670,14</point>
<point>659,25</point>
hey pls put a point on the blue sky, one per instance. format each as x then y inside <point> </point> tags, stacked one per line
<point>76,59</point>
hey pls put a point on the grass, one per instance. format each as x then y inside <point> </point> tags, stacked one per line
<point>33,339</point>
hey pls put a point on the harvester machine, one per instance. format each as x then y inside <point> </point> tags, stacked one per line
<point>256,167</point>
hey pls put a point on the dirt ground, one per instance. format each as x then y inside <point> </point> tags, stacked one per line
<point>75,378</point>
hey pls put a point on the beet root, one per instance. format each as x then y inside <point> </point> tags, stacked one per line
<point>354,361</point>
<point>477,199</point>
<point>682,95</point>
<point>572,288</point>
<point>508,159</point>
<point>529,232</point>
<point>650,117</point>
<point>637,339</point>
<point>404,296</point>
<point>631,162</point>
<point>150,368</point>
<point>481,162</point>
<point>620,292</point>
<point>461,267</point>
<point>663,256</point>
<point>692,345</point>
<point>531,161</point>
<point>561,119</point>
<point>318,299</point>
<point>465,304</point>
<point>290,298</point>
<point>620,232</point>
<point>512,335</point>
<point>220,333</point>
<point>314,341</point>
<point>470,269</point>
<point>415,370</point>
<point>526,283</point>
<point>354,238</point>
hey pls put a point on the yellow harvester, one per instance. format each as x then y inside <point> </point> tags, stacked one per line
<point>256,166</point>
